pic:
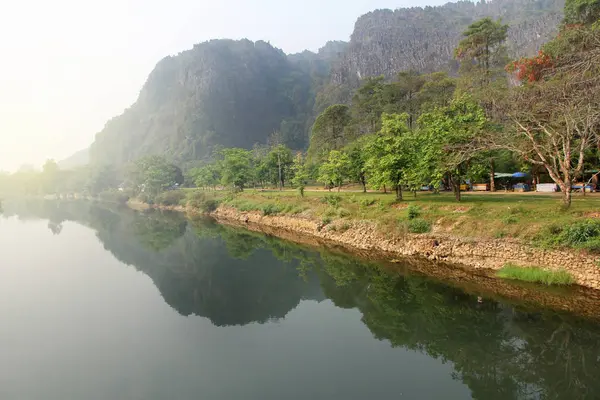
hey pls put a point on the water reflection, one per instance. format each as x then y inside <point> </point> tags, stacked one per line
<point>233,277</point>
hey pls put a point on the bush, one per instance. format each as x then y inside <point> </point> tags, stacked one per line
<point>326,220</point>
<point>578,234</point>
<point>367,202</point>
<point>146,198</point>
<point>196,199</point>
<point>535,274</point>
<point>170,198</point>
<point>333,200</point>
<point>413,211</point>
<point>510,219</point>
<point>113,196</point>
<point>342,212</point>
<point>418,225</point>
<point>209,205</point>
<point>271,209</point>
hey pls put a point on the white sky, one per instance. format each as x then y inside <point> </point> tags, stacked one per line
<point>67,66</point>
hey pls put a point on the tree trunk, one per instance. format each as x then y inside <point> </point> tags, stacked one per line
<point>492,178</point>
<point>398,192</point>
<point>280,176</point>
<point>364,184</point>
<point>384,190</point>
<point>455,182</point>
<point>566,189</point>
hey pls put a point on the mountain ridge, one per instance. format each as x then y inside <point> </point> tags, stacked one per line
<point>237,93</point>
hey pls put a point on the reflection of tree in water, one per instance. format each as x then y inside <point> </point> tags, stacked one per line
<point>236,277</point>
<point>499,351</point>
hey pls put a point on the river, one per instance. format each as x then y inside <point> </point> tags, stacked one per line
<point>103,303</point>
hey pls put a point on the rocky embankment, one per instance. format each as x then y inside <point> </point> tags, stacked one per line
<point>478,256</point>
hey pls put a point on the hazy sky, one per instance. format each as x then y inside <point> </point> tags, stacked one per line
<point>67,66</point>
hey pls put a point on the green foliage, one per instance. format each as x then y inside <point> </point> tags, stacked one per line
<point>329,131</point>
<point>153,175</point>
<point>536,274</point>
<point>271,209</point>
<point>413,211</point>
<point>580,233</point>
<point>170,198</point>
<point>582,11</point>
<point>335,169</point>
<point>206,176</point>
<point>418,225</point>
<point>300,174</point>
<point>333,200</point>
<point>387,152</point>
<point>236,167</point>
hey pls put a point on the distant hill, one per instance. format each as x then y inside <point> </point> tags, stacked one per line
<point>78,159</point>
<point>237,93</point>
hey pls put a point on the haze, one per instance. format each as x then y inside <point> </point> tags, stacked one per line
<point>68,66</point>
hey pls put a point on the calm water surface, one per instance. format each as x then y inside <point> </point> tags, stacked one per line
<point>101,303</point>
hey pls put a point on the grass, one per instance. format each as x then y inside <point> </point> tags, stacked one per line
<point>534,218</point>
<point>536,275</point>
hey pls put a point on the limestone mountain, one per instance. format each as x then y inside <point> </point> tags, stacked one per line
<point>385,42</point>
<point>220,93</point>
<point>237,93</point>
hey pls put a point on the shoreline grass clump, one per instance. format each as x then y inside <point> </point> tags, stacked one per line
<point>535,275</point>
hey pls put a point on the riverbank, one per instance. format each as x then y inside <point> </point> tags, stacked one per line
<point>481,234</point>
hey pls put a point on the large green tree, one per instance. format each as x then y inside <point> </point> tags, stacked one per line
<point>387,153</point>
<point>335,169</point>
<point>449,142</point>
<point>154,174</point>
<point>236,168</point>
<point>330,131</point>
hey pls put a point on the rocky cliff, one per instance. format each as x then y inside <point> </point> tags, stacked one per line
<point>385,42</point>
<point>237,93</point>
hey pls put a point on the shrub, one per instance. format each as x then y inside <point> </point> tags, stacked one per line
<point>113,196</point>
<point>367,202</point>
<point>326,220</point>
<point>196,199</point>
<point>535,274</point>
<point>342,213</point>
<point>271,209</point>
<point>209,205</point>
<point>413,211</point>
<point>333,200</point>
<point>510,219</point>
<point>419,225</point>
<point>578,234</point>
<point>146,198</point>
<point>170,198</point>
<point>330,212</point>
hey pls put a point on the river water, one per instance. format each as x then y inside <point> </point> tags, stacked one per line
<point>104,303</point>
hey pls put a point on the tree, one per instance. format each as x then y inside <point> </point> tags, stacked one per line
<point>206,176</point>
<point>437,90</point>
<point>300,173</point>
<point>335,169</point>
<point>236,167</point>
<point>329,131</point>
<point>279,160</point>
<point>449,141</point>
<point>582,11</point>
<point>154,174</point>
<point>357,170</point>
<point>483,55</point>
<point>555,113</point>
<point>368,104</point>
<point>482,47</point>
<point>408,84</point>
<point>387,152</point>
